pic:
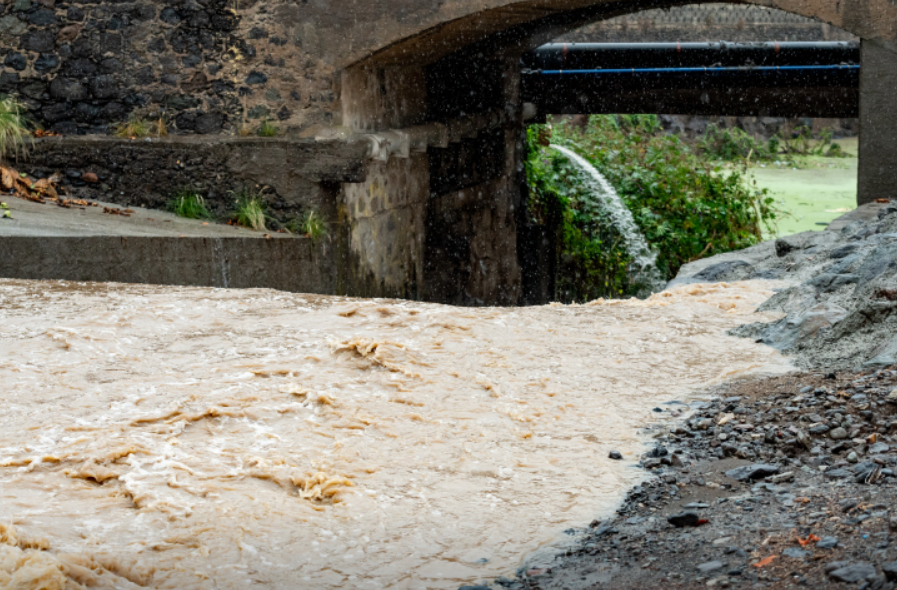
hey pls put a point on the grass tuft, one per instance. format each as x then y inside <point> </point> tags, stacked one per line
<point>139,127</point>
<point>250,209</point>
<point>189,205</point>
<point>268,129</point>
<point>313,226</point>
<point>14,135</point>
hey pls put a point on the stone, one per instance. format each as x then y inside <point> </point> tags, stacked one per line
<point>16,61</point>
<point>22,5</point>
<point>684,519</point>
<point>145,75</point>
<point>258,112</point>
<point>795,553</point>
<point>890,570</point>
<point>170,16</point>
<point>852,457</point>
<point>209,123</point>
<point>827,543</point>
<point>838,434</point>
<point>752,471</point>
<point>879,448</point>
<point>46,62</point>
<point>11,26</point>
<point>256,77</point>
<point>104,86</point>
<point>615,455</point>
<point>42,18</point>
<point>68,33</point>
<point>74,14</point>
<point>853,573</point>
<point>90,177</point>
<point>711,566</point>
<point>185,121</point>
<point>67,89</point>
<point>39,41</point>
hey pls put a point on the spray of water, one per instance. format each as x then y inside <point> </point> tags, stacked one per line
<point>643,269</point>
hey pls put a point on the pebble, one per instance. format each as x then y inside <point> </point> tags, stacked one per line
<point>852,457</point>
<point>615,455</point>
<point>795,553</point>
<point>752,471</point>
<point>827,543</point>
<point>684,519</point>
<point>838,433</point>
<point>853,573</point>
<point>711,566</point>
<point>890,570</point>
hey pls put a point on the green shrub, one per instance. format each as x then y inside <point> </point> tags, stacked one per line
<point>735,144</point>
<point>190,205</point>
<point>250,209</point>
<point>14,136</point>
<point>686,206</point>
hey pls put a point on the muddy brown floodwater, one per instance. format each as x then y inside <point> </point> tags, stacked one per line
<point>200,438</point>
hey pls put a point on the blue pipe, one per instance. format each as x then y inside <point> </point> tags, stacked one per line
<point>746,69</point>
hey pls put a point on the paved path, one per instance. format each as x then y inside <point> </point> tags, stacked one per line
<point>51,220</point>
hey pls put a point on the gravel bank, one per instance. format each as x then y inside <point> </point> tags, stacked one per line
<point>777,482</point>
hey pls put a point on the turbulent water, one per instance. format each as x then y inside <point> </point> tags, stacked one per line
<point>200,438</point>
<point>644,260</point>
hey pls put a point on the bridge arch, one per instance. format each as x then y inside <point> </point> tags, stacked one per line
<point>515,26</point>
<point>460,203</point>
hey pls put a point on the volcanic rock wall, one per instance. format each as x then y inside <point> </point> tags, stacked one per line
<point>206,66</point>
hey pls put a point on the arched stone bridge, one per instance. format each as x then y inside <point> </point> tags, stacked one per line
<point>434,85</point>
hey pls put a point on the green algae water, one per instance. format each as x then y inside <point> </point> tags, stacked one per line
<point>813,194</point>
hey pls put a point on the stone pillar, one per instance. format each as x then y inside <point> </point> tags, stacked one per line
<point>382,218</point>
<point>878,123</point>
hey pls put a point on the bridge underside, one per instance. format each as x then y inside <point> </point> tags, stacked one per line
<point>729,94</point>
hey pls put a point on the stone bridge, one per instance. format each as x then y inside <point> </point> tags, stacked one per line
<point>432,87</point>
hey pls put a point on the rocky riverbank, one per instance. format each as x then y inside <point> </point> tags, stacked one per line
<point>780,482</point>
<point>773,482</point>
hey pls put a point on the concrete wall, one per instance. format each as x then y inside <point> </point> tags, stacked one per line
<point>293,176</point>
<point>297,265</point>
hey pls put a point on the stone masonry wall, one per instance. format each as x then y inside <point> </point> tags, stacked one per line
<point>205,66</point>
<point>293,176</point>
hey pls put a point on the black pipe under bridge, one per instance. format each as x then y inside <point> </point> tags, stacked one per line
<point>735,79</point>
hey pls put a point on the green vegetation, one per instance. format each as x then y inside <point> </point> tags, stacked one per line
<point>313,226</point>
<point>686,206</point>
<point>268,129</point>
<point>250,209</point>
<point>14,135</point>
<point>189,204</point>
<point>139,127</point>
<point>735,144</point>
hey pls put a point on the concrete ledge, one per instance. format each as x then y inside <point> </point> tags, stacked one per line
<point>296,265</point>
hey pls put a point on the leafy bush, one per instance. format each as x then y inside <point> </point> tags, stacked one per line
<point>735,144</point>
<point>13,128</point>
<point>686,207</point>
<point>250,209</point>
<point>190,205</point>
